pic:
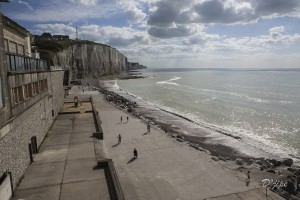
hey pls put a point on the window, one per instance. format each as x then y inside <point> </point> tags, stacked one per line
<point>12,47</point>
<point>28,91</point>
<point>20,93</point>
<point>20,63</point>
<point>33,64</point>
<point>8,65</point>
<point>37,88</point>
<point>17,93</point>
<point>21,49</point>
<point>13,63</point>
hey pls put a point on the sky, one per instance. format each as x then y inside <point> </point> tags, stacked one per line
<point>175,33</point>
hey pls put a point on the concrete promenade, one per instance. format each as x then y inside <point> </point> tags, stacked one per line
<point>167,169</point>
<point>65,167</point>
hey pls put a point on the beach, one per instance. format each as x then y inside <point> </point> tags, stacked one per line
<point>167,168</point>
<point>165,123</point>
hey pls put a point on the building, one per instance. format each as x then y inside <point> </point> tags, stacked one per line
<point>31,94</point>
<point>48,36</point>
<point>60,37</point>
<point>17,40</point>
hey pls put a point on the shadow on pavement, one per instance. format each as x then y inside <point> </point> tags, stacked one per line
<point>131,160</point>
<point>146,133</point>
<point>115,144</point>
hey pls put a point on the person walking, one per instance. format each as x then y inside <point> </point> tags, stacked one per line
<point>248,178</point>
<point>121,119</point>
<point>127,118</point>
<point>119,138</point>
<point>135,153</point>
<point>148,127</point>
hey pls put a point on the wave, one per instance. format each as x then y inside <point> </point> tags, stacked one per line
<point>242,96</point>
<point>263,142</point>
<point>170,81</point>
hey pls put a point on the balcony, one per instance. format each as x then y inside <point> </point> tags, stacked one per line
<point>18,63</point>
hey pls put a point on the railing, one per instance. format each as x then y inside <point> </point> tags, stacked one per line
<point>24,63</point>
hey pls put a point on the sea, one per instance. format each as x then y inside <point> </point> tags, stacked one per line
<point>262,107</point>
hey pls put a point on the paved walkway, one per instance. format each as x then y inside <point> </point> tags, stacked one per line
<point>166,169</point>
<point>65,167</point>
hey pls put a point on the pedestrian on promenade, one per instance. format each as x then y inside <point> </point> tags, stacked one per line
<point>148,127</point>
<point>121,119</point>
<point>127,118</point>
<point>248,178</point>
<point>119,138</point>
<point>135,153</point>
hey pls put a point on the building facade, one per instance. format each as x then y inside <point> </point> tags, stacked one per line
<point>17,40</point>
<point>31,95</point>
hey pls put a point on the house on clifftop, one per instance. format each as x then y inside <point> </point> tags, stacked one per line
<point>31,95</point>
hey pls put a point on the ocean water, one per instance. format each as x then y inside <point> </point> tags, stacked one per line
<point>261,107</point>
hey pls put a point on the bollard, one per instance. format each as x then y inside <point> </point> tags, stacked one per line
<point>11,182</point>
<point>34,145</point>
<point>30,153</point>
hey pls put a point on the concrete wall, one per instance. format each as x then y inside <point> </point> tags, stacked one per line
<point>34,121</point>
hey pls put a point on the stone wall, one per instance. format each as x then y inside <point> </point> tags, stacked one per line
<point>35,121</point>
<point>5,108</point>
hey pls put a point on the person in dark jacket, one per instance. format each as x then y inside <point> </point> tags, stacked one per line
<point>135,153</point>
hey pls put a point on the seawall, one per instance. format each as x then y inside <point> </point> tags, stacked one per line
<point>34,121</point>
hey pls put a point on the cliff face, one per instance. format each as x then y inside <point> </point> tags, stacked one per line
<point>86,60</point>
<point>135,66</point>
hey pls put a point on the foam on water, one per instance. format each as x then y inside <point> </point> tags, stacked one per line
<point>170,81</point>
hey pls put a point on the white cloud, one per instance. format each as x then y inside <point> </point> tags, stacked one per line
<point>26,4</point>
<point>114,36</point>
<point>133,11</point>
<point>85,2</point>
<point>198,50</point>
<point>56,29</point>
<point>165,13</point>
<point>66,11</point>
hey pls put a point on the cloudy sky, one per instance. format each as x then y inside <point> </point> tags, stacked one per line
<point>175,33</point>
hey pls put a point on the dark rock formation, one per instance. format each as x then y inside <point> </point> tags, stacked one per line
<point>135,66</point>
<point>288,162</point>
